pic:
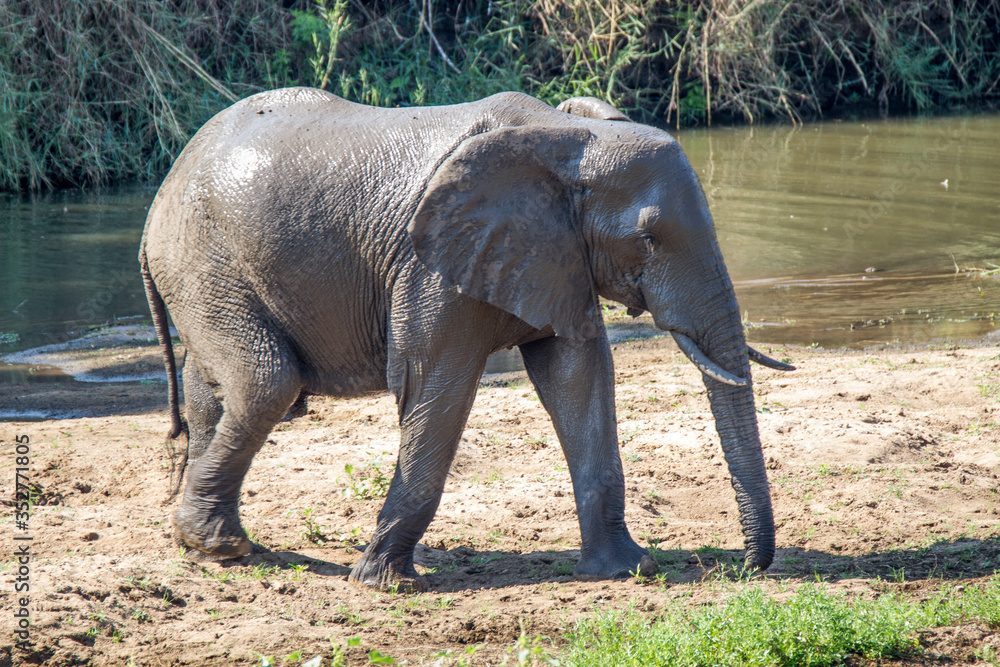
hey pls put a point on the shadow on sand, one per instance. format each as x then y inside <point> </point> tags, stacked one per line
<point>466,569</point>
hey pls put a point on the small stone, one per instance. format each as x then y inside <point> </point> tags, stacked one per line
<point>648,566</point>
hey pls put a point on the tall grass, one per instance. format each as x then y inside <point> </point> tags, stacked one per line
<point>687,61</point>
<point>399,57</point>
<point>93,91</point>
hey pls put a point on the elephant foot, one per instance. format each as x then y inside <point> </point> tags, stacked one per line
<point>394,577</point>
<point>618,565</point>
<point>217,535</point>
<point>757,561</point>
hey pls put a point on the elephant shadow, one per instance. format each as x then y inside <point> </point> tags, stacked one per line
<point>459,569</point>
<point>961,558</point>
<point>469,569</point>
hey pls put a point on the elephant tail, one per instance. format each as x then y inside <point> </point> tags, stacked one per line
<point>178,462</point>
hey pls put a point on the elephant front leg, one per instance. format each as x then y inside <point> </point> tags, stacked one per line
<point>575,382</point>
<point>434,405</point>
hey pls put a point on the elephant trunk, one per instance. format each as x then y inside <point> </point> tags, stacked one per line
<point>710,333</point>
<point>692,297</point>
<point>736,423</point>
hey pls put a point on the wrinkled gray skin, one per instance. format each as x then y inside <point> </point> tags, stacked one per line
<point>308,245</point>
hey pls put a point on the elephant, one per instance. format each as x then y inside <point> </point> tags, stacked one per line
<point>304,245</point>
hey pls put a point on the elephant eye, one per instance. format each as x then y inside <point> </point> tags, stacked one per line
<point>649,241</point>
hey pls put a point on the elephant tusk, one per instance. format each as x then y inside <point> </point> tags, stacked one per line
<point>765,360</point>
<point>704,364</point>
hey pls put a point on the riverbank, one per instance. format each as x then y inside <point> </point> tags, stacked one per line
<point>884,469</point>
<point>110,92</point>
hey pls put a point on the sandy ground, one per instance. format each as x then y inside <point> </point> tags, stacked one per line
<point>884,472</point>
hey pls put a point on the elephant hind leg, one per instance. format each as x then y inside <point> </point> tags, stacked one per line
<point>202,410</point>
<point>258,381</point>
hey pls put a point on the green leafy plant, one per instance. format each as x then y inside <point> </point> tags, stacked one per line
<point>313,530</point>
<point>367,482</point>
<point>379,658</point>
<point>325,30</point>
<point>564,567</point>
<point>533,651</point>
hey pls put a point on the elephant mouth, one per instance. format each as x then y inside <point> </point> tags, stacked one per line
<point>685,339</point>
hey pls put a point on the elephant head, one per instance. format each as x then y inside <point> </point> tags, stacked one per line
<point>542,217</point>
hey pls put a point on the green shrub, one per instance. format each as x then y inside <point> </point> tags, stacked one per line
<point>96,92</point>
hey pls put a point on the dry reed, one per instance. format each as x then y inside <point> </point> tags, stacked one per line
<point>110,90</point>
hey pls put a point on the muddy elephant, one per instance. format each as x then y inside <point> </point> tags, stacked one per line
<point>307,245</point>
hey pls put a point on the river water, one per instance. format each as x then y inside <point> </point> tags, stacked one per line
<point>849,234</point>
<point>840,234</point>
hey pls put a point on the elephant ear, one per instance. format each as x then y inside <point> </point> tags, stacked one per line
<point>499,220</point>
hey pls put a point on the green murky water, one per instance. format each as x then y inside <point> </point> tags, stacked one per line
<point>840,234</point>
<point>850,234</point>
<point>68,263</point>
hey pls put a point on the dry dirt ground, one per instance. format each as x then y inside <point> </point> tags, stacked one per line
<point>884,472</point>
